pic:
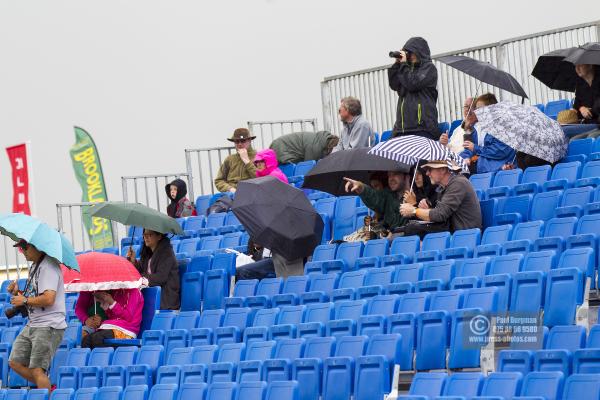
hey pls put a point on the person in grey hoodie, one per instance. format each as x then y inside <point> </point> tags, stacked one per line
<point>414,77</point>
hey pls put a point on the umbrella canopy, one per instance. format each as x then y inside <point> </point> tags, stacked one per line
<point>278,216</point>
<point>553,71</point>
<point>588,53</point>
<point>138,215</point>
<point>485,72</point>
<point>43,237</point>
<point>356,164</point>
<point>102,271</point>
<point>411,149</point>
<point>525,129</point>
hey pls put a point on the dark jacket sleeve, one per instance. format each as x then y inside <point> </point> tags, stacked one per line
<point>450,201</point>
<point>412,79</point>
<point>373,199</point>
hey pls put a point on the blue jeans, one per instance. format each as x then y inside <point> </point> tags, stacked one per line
<point>256,270</point>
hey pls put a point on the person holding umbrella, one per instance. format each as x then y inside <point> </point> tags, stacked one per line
<point>158,265</point>
<point>587,93</point>
<point>43,299</point>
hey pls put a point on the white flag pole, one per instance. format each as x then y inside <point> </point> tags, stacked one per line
<point>32,202</point>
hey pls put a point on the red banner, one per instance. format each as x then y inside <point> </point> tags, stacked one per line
<point>17,156</point>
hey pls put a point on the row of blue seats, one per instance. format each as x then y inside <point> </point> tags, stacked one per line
<point>565,350</point>
<point>196,391</point>
<point>313,362</point>
<point>537,179</point>
<point>503,385</point>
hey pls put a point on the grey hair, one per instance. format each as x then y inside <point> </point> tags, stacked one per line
<point>352,104</point>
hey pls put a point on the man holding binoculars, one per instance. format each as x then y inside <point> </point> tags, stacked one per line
<point>43,301</point>
<point>414,77</point>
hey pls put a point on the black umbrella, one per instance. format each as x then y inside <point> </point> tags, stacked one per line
<point>485,72</point>
<point>553,71</point>
<point>588,53</point>
<point>358,164</point>
<point>278,216</point>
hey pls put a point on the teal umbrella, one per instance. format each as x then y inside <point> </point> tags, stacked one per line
<point>43,237</point>
<point>138,215</point>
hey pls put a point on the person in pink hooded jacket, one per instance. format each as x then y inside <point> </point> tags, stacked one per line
<point>121,317</point>
<point>266,164</point>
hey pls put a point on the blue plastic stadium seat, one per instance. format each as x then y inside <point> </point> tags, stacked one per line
<point>280,367</point>
<point>579,386</point>
<point>544,204</point>
<point>496,234</point>
<point>528,290</point>
<point>540,261</point>
<point>250,370</point>
<point>91,374</point>
<point>343,221</point>
<point>563,176</point>
<point>586,361</point>
<point>433,333</point>
<point>283,390</point>
<point>263,320</point>
<point>162,322</point>
<point>148,360</point>
<point>234,323</point>
<point>477,267</point>
<point>562,342</point>
<point>209,320</point>
<point>347,284</point>
<point>293,287</point>
<point>345,316</point>
<point>468,239</point>
<point>426,385</point>
<point>224,370</point>
<point>437,272</point>
<point>338,371</point>
<point>68,375</point>
<point>319,288</point>
<point>590,175</point>
<point>406,246</point>
<point>264,291</point>
<point>378,309</point>
<point>512,210</point>
<point>465,384</point>
<point>532,180</point>
<point>555,244</point>
<point>436,241</point>
<point>114,375</point>
<point>482,181</point>
<point>307,371</point>
<point>547,385</point>
<point>573,201</point>
<point>374,370</point>
<point>192,288</point>
<point>316,316</point>
<point>561,227</point>
<point>501,385</point>
<point>553,108</point>
<point>216,288</point>
<point>564,292</point>
<point>515,361</point>
<point>581,258</point>
<point>301,169</point>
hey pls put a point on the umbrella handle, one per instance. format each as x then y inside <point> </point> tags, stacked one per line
<point>414,176</point>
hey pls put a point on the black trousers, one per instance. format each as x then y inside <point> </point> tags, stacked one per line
<point>96,339</point>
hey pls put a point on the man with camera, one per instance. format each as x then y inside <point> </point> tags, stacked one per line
<point>43,301</point>
<point>414,77</point>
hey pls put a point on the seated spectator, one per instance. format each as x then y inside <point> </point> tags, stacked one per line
<point>261,268</point>
<point>587,93</point>
<point>357,130</point>
<point>455,143</point>
<point>491,154</point>
<point>117,316</point>
<point>378,181</point>
<point>266,163</point>
<point>457,206</point>
<point>525,161</point>
<point>180,205</point>
<point>303,146</point>
<point>424,194</point>
<point>239,166</point>
<point>385,202</point>
<point>158,265</point>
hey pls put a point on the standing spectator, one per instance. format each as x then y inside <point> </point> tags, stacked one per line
<point>491,153</point>
<point>44,300</point>
<point>414,77</point>
<point>123,315</point>
<point>384,202</point>
<point>587,92</point>
<point>239,166</point>
<point>457,206</point>
<point>357,130</point>
<point>180,205</point>
<point>303,146</point>
<point>158,265</point>
<point>266,164</point>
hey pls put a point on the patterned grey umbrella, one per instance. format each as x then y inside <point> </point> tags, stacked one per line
<point>525,129</point>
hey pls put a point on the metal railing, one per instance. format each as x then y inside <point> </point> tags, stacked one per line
<point>150,189</point>
<point>516,56</point>
<point>203,164</point>
<point>70,222</point>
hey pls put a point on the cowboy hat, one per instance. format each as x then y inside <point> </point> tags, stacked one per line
<point>241,134</point>
<point>441,164</point>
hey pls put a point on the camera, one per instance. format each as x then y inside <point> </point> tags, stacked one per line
<point>395,54</point>
<point>11,312</point>
<point>468,137</point>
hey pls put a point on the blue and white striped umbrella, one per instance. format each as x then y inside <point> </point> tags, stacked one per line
<point>411,149</point>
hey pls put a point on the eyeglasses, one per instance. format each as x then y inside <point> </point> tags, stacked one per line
<point>239,141</point>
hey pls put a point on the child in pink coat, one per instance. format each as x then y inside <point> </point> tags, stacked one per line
<point>266,164</point>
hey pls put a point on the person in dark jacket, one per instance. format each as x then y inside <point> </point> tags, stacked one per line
<point>587,92</point>
<point>179,206</point>
<point>414,78</point>
<point>386,202</point>
<point>158,265</point>
<point>423,193</point>
<point>303,146</point>
<point>457,206</point>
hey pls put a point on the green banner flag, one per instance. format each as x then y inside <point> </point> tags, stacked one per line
<point>88,171</point>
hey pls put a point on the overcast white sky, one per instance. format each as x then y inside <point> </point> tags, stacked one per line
<point>150,78</point>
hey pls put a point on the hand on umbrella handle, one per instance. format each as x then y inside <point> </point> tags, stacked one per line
<point>354,186</point>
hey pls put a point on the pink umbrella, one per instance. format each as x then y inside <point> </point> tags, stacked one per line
<point>101,271</point>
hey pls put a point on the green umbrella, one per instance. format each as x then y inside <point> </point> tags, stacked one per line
<point>138,215</point>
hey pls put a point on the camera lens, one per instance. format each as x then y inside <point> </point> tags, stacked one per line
<point>394,54</point>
